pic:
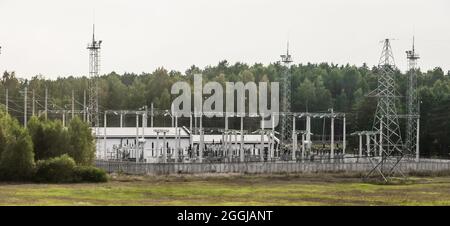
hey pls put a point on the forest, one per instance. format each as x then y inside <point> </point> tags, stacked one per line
<point>315,88</point>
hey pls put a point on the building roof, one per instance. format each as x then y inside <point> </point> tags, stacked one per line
<point>122,132</point>
<point>248,138</point>
<point>131,131</point>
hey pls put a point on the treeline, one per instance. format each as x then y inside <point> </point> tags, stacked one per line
<point>45,151</point>
<point>315,88</point>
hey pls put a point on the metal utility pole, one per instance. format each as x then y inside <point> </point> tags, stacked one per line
<point>158,152</point>
<point>64,118</point>
<point>121,119</point>
<point>261,148</point>
<point>386,121</point>
<point>308,133</point>
<point>144,124</point>
<point>294,139</point>
<point>84,105</point>
<point>242,153</point>
<point>226,136</point>
<point>137,137</point>
<point>164,147</point>
<point>286,99</point>
<point>368,144</point>
<point>73,105</point>
<point>151,115</point>
<point>272,146</point>
<point>145,117</point>
<point>7,101</point>
<point>360,144</point>
<point>171,115</point>
<point>332,135</point>
<point>33,105</point>
<point>190,131</point>
<point>94,67</point>
<point>104,135</point>
<point>413,117</point>
<point>177,139</point>
<point>46,102</point>
<point>25,107</point>
<point>201,139</point>
<point>344,136</point>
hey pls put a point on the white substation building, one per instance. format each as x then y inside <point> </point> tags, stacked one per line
<point>179,144</point>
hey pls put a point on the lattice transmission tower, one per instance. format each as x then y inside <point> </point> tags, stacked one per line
<point>413,117</point>
<point>94,68</point>
<point>386,122</point>
<point>286,118</point>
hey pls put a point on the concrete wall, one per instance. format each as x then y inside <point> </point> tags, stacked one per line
<point>257,167</point>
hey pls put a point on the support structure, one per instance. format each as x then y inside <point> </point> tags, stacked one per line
<point>25,113</point>
<point>294,139</point>
<point>360,145</point>
<point>46,103</point>
<point>94,68</point>
<point>332,136</point>
<point>386,121</point>
<point>84,105</point>
<point>191,142</point>
<point>201,140</point>
<point>33,104</point>
<point>371,142</point>
<point>241,149</point>
<point>285,135</point>
<point>413,117</point>
<point>104,135</point>
<point>7,101</point>
<point>272,138</point>
<point>151,115</point>
<point>73,104</point>
<point>344,136</point>
<point>137,138</point>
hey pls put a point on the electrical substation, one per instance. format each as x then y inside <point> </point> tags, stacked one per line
<point>152,135</point>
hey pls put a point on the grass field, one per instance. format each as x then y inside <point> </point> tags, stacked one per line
<point>231,190</point>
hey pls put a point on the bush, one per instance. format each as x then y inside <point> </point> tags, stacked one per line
<point>90,174</point>
<point>56,170</point>
<point>64,170</point>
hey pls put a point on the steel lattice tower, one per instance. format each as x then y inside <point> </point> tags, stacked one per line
<point>412,103</point>
<point>386,122</point>
<point>286,120</point>
<point>94,66</point>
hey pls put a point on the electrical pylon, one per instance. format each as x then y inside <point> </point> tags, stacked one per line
<point>386,122</point>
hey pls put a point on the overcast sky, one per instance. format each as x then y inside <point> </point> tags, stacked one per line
<point>49,37</point>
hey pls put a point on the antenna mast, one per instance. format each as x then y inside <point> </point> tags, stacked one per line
<point>286,120</point>
<point>94,67</point>
<point>413,117</point>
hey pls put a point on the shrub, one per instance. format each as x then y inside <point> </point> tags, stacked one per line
<point>56,170</point>
<point>63,169</point>
<point>90,174</point>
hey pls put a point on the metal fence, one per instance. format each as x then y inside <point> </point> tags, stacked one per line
<point>258,167</point>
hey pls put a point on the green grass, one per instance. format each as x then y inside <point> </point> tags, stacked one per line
<point>232,190</point>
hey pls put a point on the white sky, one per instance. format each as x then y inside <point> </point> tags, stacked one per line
<point>49,37</point>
